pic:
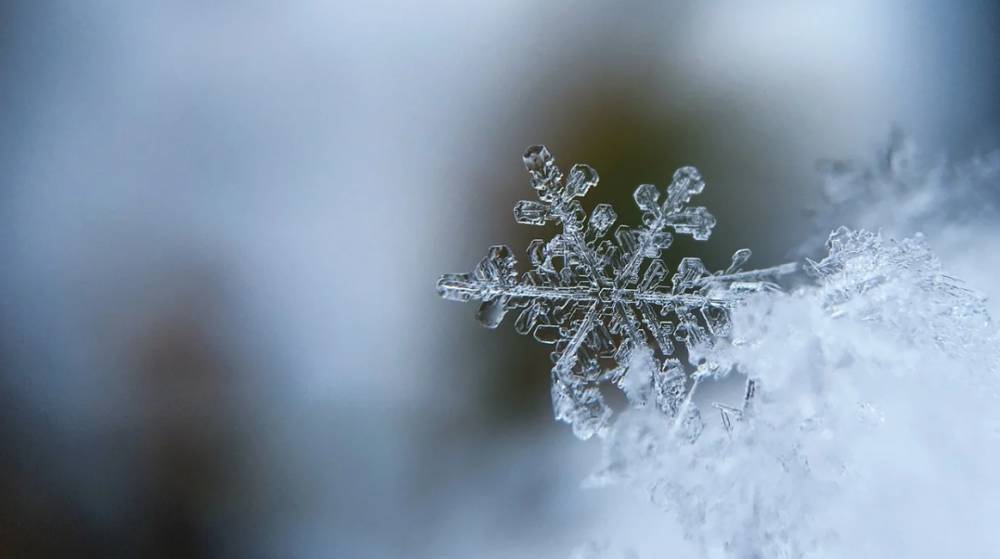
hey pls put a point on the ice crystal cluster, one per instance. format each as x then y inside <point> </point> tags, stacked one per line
<point>875,389</point>
<point>600,299</point>
<point>870,419</point>
<point>864,275</point>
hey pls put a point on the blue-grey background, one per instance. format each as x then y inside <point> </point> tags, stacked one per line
<point>221,224</point>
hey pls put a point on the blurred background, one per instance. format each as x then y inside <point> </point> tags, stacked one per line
<point>222,224</point>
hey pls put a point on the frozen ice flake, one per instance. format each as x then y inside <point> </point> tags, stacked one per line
<point>686,183</point>
<point>599,300</point>
<point>581,179</point>
<point>527,212</point>
<point>646,196</point>
<point>602,218</point>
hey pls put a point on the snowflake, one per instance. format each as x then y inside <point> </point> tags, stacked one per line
<point>598,300</point>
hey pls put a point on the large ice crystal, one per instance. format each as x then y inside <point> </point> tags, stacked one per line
<point>870,419</point>
<point>600,299</point>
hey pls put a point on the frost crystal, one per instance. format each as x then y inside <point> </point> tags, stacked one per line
<point>873,380</point>
<point>900,284</point>
<point>601,301</point>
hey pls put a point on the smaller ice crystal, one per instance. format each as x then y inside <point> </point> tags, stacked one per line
<point>899,279</point>
<point>601,300</point>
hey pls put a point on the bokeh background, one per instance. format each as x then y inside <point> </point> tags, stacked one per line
<point>221,224</point>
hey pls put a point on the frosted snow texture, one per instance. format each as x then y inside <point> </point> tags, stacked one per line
<point>874,429</point>
<point>601,300</point>
<point>863,273</point>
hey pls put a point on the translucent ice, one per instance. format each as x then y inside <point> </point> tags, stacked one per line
<point>599,298</point>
